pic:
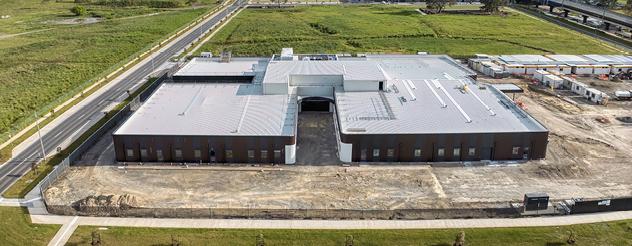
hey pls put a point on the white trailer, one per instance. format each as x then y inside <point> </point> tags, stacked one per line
<point>623,95</point>
<point>539,75</point>
<point>601,69</point>
<point>582,70</point>
<point>578,87</point>
<point>553,81</point>
<point>595,95</point>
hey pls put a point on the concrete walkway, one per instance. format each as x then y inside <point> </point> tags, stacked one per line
<point>334,224</point>
<point>39,215</point>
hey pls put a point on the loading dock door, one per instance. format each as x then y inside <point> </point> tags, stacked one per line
<point>315,105</point>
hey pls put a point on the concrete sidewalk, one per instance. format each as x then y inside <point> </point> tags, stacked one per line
<point>334,224</point>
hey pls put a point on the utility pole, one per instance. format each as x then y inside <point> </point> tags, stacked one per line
<point>39,133</point>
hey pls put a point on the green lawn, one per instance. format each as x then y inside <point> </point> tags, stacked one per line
<point>39,70</point>
<point>16,228</point>
<point>614,233</point>
<point>394,29</point>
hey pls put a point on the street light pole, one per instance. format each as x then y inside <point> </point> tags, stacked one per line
<point>39,134</point>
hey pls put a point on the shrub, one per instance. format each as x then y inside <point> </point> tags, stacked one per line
<point>78,10</point>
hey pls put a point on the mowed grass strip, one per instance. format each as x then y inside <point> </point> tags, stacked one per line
<point>395,29</point>
<point>613,233</point>
<point>16,228</point>
<point>40,70</point>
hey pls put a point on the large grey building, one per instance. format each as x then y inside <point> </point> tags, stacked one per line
<point>395,108</point>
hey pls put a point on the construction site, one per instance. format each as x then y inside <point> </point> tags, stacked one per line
<point>588,157</point>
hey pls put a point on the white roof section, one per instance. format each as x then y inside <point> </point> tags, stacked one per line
<point>525,59</point>
<point>570,59</point>
<point>280,71</point>
<point>287,52</point>
<point>431,109</point>
<point>201,66</point>
<point>611,59</point>
<point>507,87</point>
<point>420,67</point>
<point>212,109</point>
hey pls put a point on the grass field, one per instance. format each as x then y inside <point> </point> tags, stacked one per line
<point>614,233</point>
<point>16,228</point>
<point>34,176</point>
<point>394,29</point>
<point>51,62</point>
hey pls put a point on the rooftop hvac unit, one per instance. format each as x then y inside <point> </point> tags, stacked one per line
<point>226,55</point>
<point>287,54</point>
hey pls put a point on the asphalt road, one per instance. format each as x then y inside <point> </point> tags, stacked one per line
<point>16,167</point>
<point>594,11</point>
<point>614,41</point>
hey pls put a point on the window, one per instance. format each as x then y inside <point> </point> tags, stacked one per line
<point>159,156</point>
<point>130,153</point>
<point>417,152</point>
<point>515,151</point>
<point>277,154</point>
<point>197,154</point>
<point>251,154</point>
<point>363,155</point>
<point>440,152</point>
<point>178,154</point>
<point>376,152</point>
<point>456,152</point>
<point>390,153</point>
<point>471,152</point>
<point>525,150</point>
<point>143,153</point>
<point>264,156</point>
<point>229,154</point>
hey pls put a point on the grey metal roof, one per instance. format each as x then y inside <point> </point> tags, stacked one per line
<point>200,66</point>
<point>571,59</point>
<point>512,88</point>
<point>205,109</point>
<point>279,71</point>
<point>611,59</point>
<point>429,109</point>
<point>421,66</point>
<point>527,59</point>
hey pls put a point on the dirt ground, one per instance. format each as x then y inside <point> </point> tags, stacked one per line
<point>586,158</point>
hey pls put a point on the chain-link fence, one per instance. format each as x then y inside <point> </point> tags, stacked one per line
<point>263,213</point>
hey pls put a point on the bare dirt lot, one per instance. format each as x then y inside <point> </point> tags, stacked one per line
<point>589,155</point>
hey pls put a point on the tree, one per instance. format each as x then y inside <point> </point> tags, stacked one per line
<point>438,5</point>
<point>628,7</point>
<point>460,239</point>
<point>607,3</point>
<point>571,238</point>
<point>349,240</point>
<point>175,241</point>
<point>96,238</point>
<point>78,10</point>
<point>493,6</point>
<point>260,240</point>
<point>192,2</point>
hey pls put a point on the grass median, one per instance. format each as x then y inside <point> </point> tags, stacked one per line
<point>612,233</point>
